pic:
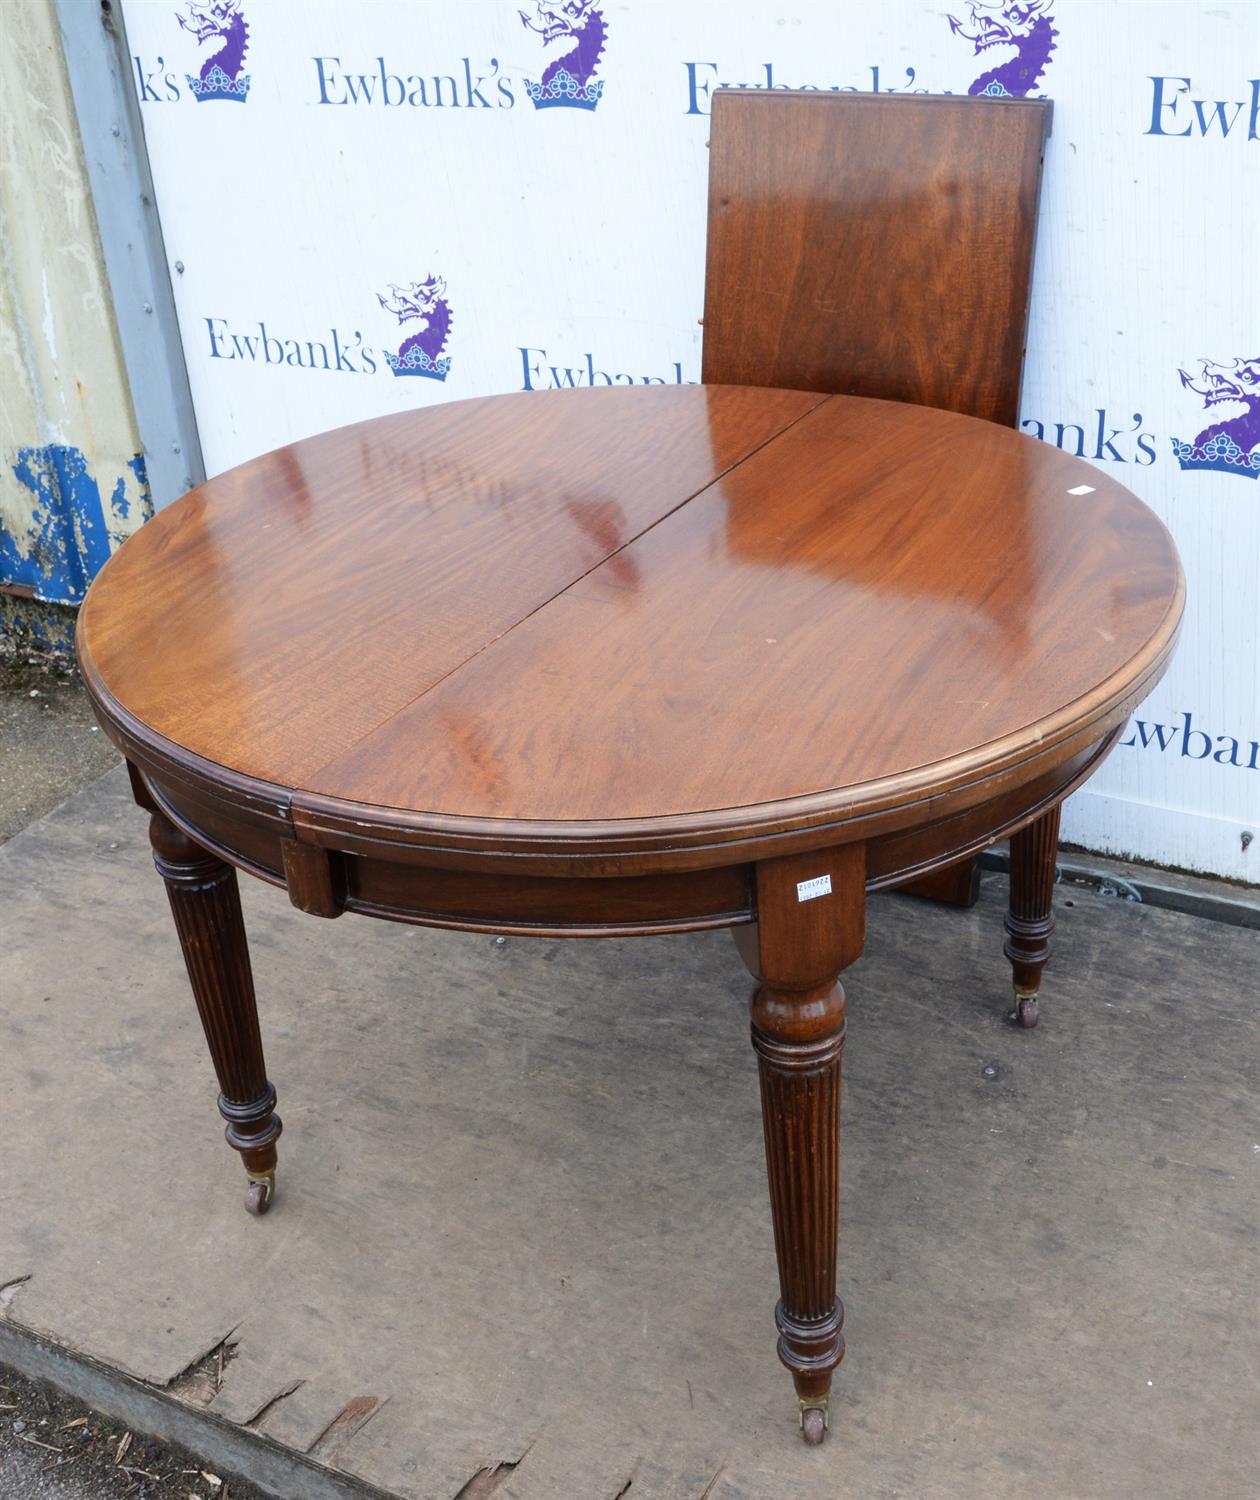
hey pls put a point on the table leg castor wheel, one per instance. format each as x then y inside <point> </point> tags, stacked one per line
<point>1026,1013</point>
<point>813,1424</point>
<point>259,1194</point>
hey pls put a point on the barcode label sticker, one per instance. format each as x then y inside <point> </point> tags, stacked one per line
<point>1082,489</point>
<point>807,890</point>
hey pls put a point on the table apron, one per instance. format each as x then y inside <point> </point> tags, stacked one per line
<point>326,882</point>
<point>899,857</point>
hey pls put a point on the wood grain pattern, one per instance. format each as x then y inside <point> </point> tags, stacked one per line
<point>288,607</point>
<point>879,246</point>
<point>855,602</point>
<point>840,624</point>
<point>873,246</point>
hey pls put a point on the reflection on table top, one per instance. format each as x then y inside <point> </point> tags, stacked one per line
<point>632,603</point>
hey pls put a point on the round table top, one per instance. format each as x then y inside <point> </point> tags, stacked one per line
<point>670,607</point>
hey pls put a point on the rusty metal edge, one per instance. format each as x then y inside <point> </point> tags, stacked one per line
<point>148,1409</point>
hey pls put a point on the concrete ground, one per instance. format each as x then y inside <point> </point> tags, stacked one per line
<point>522,1246</point>
<point>49,743</point>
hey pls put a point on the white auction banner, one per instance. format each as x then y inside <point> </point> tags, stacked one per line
<point>371,207</point>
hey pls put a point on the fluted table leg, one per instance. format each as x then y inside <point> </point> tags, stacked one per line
<point>803,938</point>
<point>206,905</point>
<point>1030,920</point>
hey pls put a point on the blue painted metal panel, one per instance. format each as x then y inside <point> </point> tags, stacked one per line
<point>72,528</point>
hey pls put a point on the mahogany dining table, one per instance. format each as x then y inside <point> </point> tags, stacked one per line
<point>620,661</point>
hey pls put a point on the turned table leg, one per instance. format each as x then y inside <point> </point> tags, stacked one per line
<point>810,924</point>
<point>206,905</point>
<point>1030,920</point>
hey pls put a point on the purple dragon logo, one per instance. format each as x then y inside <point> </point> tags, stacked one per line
<point>575,29</point>
<point>1026,25</point>
<point>423,302</point>
<point>221,76</point>
<point>1231,447</point>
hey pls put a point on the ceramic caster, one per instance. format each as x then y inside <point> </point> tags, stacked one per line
<point>259,1193</point>
<point>813,1424</point>
<point>1026,1013</point>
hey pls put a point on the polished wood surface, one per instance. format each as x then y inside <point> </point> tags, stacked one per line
<point>278,614</point>
<point>795,953</point>
<point>206,906</point>
<point>873,245</point>
<point>876,245</point>
<point>626,661</point>
<point>842,622</point>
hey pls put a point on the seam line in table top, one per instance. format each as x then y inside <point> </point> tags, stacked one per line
<point>823,399</point>
<point>308,801</point>
<point>1174,613</point>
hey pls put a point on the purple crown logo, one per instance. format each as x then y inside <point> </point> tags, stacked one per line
<point>1233,446</point>
<point>1026,25</point>
<point>423,303</point>
<point>221,77</point>
<point>576,29</point>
